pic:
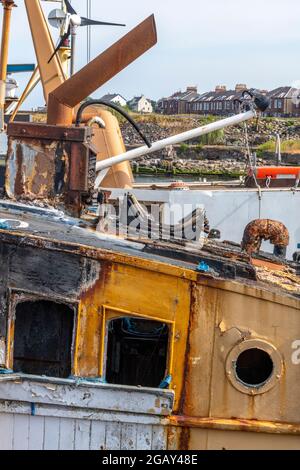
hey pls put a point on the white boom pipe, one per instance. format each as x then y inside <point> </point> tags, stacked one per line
<point>173,140</point>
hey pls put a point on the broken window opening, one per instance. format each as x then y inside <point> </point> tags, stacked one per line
<point>43,336</point>
<point>137,352</point>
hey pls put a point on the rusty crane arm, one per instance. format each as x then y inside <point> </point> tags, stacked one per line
<point>52,74</point>
<point>64,99</point>
<point>68,94</point>
<point>7,9</point>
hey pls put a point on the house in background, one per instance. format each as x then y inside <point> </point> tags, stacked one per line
<point>141,104</point>
<point>284,101</point>
<point>115,98</point>
<point>218,102</point>
<point>178,102</point>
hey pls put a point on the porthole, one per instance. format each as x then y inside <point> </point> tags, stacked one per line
<point>254,366</point>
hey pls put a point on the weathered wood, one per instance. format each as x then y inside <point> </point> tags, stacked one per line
<point>51,441</point>
<point>159,437</point>
<point>82,434</point>
<point>68,393</point>
<point>113,436</point>
<point>98,431</point>
<point>128,437</point>
<point>66,434</point>
<point>21,432</point>
<point>69,413</point>
<point>36,432</point>
<point>6,431</point>
<point>144,437</point>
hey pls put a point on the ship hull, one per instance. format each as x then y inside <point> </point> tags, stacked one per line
<point>113,344</point>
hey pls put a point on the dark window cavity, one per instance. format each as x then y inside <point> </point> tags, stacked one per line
<point>137,352</point>
<point>43,338</point>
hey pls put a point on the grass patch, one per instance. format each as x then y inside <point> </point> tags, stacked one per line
<point>184,148</point>
<point>290,146</point>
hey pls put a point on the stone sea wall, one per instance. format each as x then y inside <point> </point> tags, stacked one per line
<point>227,157</point>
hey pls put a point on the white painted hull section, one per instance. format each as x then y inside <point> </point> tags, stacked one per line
<point>42,414</point>
<point>25,432</point>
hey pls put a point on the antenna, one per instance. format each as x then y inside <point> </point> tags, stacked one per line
<point>69,21</point>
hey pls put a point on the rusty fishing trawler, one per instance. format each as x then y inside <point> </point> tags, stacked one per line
<point>109,341</point>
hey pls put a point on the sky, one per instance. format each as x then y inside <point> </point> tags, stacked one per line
<point>200,42</point>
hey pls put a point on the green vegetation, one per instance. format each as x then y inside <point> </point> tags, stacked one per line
<point>203,172</point>
<point>184,148</point>
<point>214,138</point>
<point>119,116</point>
<point>198,147</point>
<point>290,146</point>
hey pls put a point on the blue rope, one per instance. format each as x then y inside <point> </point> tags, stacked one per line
<point>6,371</point>
<point>166,382</point>
<point>203,267</point>
<point>5,226</point>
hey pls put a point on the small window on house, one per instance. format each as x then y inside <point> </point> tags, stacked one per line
<point>43,339</point>
<point>137,352</point>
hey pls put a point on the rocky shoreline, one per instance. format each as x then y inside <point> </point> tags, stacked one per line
<point>226,158</point>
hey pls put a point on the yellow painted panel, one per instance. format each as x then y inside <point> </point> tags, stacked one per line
<point>137,291</point>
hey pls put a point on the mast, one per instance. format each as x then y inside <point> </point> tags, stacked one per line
<point>7,9</point>
<point>65,51</point>
<point>89,30</point>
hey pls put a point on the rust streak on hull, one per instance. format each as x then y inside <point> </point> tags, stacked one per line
<point>235,425</point>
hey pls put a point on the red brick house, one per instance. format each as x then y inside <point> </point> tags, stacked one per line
<point>178,102</point>
<point>284,101</point>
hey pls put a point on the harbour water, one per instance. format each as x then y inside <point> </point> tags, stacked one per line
<point>171,178</point>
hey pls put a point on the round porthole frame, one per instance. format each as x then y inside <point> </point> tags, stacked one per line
<point>264,387</point>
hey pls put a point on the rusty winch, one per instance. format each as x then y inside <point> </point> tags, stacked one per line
<point>53,164</point>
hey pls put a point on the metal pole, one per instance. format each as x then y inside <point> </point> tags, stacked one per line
<point>89,29</point>
<point>34,80</point>
<point>7,8</point>
<point>73,45</point>
<point>90,32</point>
<point>175,139</point>
<point>278,150</point>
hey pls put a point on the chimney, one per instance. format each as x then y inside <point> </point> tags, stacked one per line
<point>240,87</point>
<point>220,88</point>
<point>192,89</point>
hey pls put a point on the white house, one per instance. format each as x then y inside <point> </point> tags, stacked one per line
<point>114,98</point>
<point>140,104</point>
<point>11,87</point>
